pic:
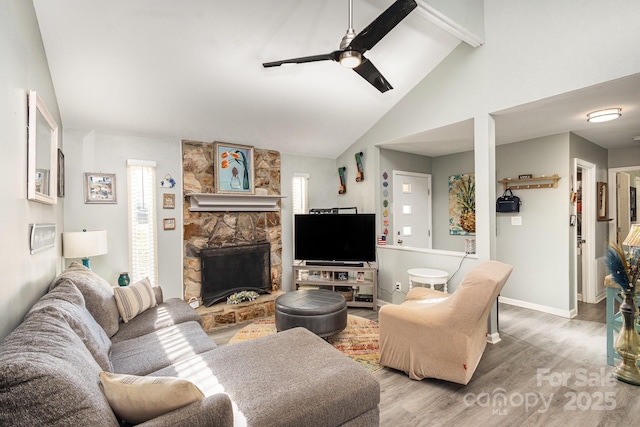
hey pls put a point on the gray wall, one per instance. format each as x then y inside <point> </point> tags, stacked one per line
<point>90,151</point>
<point>23,67</point>
<point>474,83</point>
<point>443,167</point>
<point>624,157</point>
<point>539,248</point>
<point>323,193</point>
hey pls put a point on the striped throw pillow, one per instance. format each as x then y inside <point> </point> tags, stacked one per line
<point>138,399</point>
<point>135,299</point>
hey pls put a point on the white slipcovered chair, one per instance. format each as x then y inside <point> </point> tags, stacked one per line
<point>438,335</point>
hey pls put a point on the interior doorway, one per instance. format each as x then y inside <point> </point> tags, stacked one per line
<point>585,236</point>
<point>623,212</point>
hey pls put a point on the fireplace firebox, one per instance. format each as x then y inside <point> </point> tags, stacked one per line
<point>232,269</point>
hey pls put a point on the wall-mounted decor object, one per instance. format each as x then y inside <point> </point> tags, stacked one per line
<point>530,183</point>
<point>360,173</point>
<point>462,204</point>
<point>632,204</point>
<point>343,180</point>
<point>167,182</point>
<point>603,202</point>
<point>42,162</point>
<point>525,176</point>
<point>60,173</point>
<point>234,169</point>
<point>169,223</point>
<point>43,236</point>
<point>100,187</point>
<point>168,201</point>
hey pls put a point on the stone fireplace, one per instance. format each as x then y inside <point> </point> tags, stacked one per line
<point>231,269</point>
<point>219,229</point>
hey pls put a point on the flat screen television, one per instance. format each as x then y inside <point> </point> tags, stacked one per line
<point>335,238</point>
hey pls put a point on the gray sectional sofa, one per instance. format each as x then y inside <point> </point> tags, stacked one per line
<point>50,366</point>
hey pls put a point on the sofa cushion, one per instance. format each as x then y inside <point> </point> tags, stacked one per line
<point>49,378</point>
<point>138,399</point>
<point>342,389</point>
<point>69,302</point>
<point>153,351</point>
<point>172,312</point>
<point>135,299</point>
<point>98,295</point>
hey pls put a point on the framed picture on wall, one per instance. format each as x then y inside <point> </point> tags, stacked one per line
<point>632,204</point>
<point>168,201</point>
<point>169,223</point>
<point>99,187</point>
<point>234,169</point>
<point>60,173</point>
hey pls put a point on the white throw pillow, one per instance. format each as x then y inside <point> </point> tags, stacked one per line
<point>138,399</point>
<point>133,300</point>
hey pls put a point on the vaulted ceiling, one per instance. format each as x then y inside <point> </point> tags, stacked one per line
<point>192,69</point>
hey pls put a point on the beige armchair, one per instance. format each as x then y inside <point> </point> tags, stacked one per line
<point>438,335</point>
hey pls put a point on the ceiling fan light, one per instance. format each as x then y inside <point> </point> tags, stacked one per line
<point>350,58</point>
<point>604,115</point>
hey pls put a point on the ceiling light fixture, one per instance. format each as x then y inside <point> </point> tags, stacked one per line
<point>350,58</point>
<point>604,115</point>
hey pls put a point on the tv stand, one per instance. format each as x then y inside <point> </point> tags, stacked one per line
<point>361,279</point>
<point>335,263</point>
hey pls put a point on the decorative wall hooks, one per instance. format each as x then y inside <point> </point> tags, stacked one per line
<point>343,181</point>
<point>360,174</point>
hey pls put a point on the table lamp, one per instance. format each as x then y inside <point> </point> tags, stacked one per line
<point>84,244</point>
<point>633,238</point>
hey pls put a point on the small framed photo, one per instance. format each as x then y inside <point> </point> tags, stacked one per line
<point>169,223</point>
<point>234,169</point>
<point>99,187</point>
<point>60,173</point>
<point>168,201</point>
<point>342,275</point>
<point>360,276</point>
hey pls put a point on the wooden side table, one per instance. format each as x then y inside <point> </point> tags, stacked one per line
<point>428,276</point>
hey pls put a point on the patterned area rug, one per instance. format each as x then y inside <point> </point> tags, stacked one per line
<point>359,340</point>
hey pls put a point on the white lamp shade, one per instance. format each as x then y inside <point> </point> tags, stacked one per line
<point>633,238</point>
<point>84,244</point>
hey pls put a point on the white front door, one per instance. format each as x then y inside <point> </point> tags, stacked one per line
<point>411,210</point>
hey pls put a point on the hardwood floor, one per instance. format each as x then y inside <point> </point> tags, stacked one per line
<point>546,371</point>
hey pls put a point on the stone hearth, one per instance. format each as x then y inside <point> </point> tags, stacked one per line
<point>223,315</point>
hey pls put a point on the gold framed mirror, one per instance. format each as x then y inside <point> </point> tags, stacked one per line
<point>42,164</point>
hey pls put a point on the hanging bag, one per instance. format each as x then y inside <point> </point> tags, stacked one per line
<point>508,202</point>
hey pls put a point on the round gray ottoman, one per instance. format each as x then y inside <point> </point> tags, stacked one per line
<point>321,311</point>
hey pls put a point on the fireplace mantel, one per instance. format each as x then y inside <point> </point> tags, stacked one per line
<point>215,202</point>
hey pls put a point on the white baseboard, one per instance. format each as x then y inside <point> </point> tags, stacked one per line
<point>538,307</point>
<point>494,338</point>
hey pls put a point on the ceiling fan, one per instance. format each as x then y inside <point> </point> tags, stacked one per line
<point>353,47</point>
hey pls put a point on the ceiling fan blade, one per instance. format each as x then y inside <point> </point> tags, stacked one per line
<point>333,56</point>
<point>384,23</point>
<point>371,74</point>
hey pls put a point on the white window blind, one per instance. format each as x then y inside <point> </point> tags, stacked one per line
<point>299,190</point>
<point>141,178</point>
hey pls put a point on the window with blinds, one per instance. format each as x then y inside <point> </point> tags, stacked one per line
<point>299,189</point>
<point>143,258</point>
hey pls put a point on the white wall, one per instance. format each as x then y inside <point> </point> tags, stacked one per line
<point>323,191</point>
<point>23,67</point>
<point>90,151</point>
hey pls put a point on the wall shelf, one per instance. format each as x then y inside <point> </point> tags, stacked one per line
<point>531,183</point>
<point>215,202</point>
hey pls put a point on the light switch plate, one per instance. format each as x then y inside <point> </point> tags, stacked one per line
<point>516,220</point>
